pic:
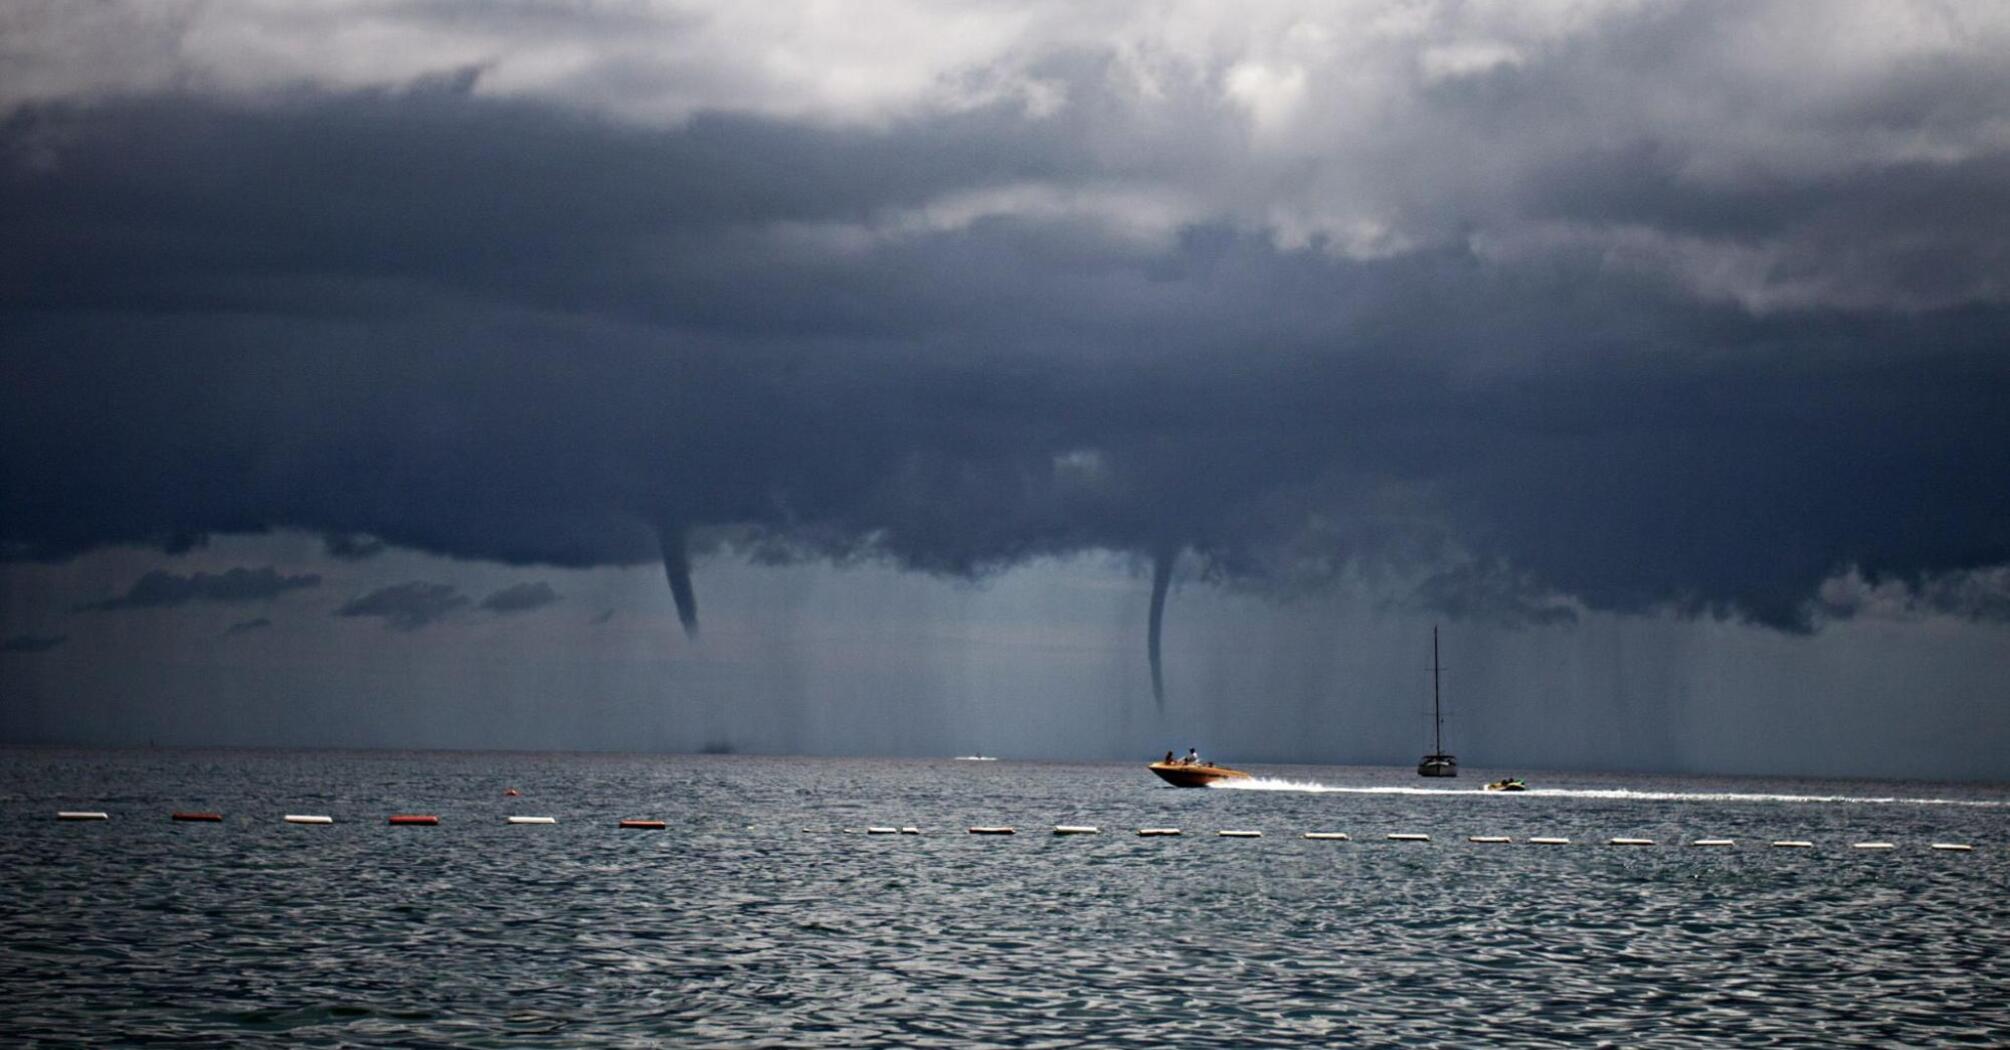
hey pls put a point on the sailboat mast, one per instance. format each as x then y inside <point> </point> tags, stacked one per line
<point>1437,714</point>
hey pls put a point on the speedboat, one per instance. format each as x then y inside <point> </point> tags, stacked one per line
<point>1506,784</point>
<point>1195,774</point>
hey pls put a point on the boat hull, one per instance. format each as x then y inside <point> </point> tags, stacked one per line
<point>1194,775</point>
<point>1438,766</point>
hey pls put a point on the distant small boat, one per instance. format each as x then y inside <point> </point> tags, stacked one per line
<point>976,758</point>
<point>1507,784</point>
<point>1437,763</point>
<point>1194,774</point>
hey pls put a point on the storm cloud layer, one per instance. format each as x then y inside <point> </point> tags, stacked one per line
<point>1623,308</point>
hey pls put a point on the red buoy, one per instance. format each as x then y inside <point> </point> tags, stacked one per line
<point>644,825</point>
<point>207,818</point>
<point>414,818</point>
<point>511,793</point>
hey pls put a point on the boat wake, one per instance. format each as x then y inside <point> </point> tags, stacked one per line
<point>1316,788</point>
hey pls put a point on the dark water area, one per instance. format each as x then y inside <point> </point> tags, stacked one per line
<point>764,916</point>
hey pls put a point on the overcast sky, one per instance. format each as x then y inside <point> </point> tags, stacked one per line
<point>894,378</point>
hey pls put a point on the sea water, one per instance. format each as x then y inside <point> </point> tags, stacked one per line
<point>764,916</point>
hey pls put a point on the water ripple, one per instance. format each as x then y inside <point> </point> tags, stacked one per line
<point>738,928</point>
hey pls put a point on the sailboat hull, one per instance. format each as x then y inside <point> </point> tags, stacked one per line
<point>1438,766</point>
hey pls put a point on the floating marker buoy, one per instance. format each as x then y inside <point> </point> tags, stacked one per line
<point>82,814</point>
<point>414,819</point>
<point>1872,845</point>
<point>1239,834</point>
<point>1327,836</point>
<point>910,831</point>
<point>302,818</point>
<point>1488,838</point>
<point>1155,833</point>
<point>530,820</point>
<point>512,793</point>
<point>1631,842</point>
<point>202,818</point>
<point>1714,842</point>
<point>1076,829</point>
<point>644,825</point>
<point>1792,844</point>
<point>1544,841</point>
<point>993,831</point>
<point>1957,847</point>
<point>882,831</point>
<point>1401,836</point>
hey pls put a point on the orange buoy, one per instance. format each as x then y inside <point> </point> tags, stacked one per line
<point>425,819</point>
<point>644,825</point>
<point>511,793</point>
<point>206,818</point>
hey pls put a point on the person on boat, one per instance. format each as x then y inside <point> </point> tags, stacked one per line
<point>1192,756</point>
<point>1169,758</point>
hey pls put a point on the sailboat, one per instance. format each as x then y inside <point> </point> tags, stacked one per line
<point>1437,763</point>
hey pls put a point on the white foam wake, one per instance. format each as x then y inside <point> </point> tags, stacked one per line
<point>1314,787</point>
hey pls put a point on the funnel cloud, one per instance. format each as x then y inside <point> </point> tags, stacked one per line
<point>1531,316</point>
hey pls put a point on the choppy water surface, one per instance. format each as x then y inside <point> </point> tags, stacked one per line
<point>759,919</point>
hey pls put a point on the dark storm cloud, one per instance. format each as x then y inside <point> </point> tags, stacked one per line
<point>507,331</point>
<point>406,606</point>
<point>521,597</point>
<point>161,589</point>
<point>349,546</point>
<point>32,643</point>
<point>248,626</point>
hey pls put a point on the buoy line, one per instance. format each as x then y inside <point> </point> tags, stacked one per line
<point>1061,830</point>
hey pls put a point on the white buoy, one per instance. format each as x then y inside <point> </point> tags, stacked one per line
<point>1401,836</point>
<point>1872,845</point>
<point>984,830</point>
<point>1792,844</point>
<point>1541,840</point>
<point>1151,833</point>
<point>1488,838</point>
<point>886,831</point>
<point>910,831</point>
<point>82,814</point>
<point>1632,842</point>
<point>1239,834</point>
<point>303,818</point>
<point>1077,829</point>
<point>530,820</point>
<point>1714,842</point>
<point>1957,847</point>
<point>1328,836</point>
